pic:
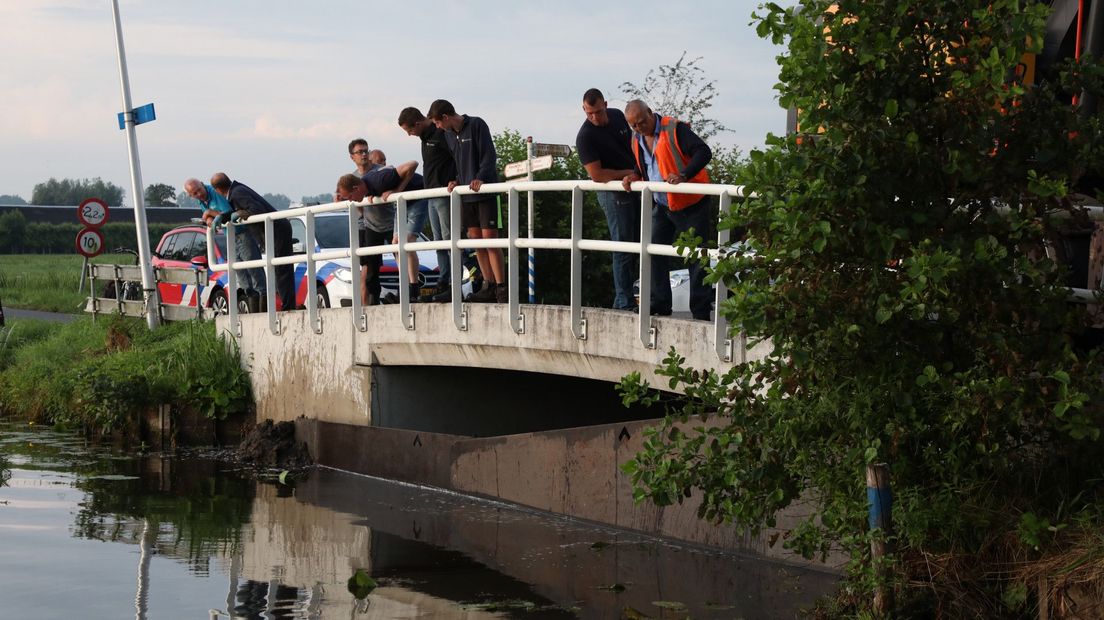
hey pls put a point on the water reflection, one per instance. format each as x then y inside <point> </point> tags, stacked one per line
<point>91,533</point>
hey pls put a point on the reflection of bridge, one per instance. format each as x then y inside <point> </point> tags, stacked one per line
<point>513,401</point>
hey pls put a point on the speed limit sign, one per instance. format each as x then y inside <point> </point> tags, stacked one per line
<point>90,242</point>
<point>92,212</point>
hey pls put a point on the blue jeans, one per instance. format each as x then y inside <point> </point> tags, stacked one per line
<point>252,281</point>
<point>439,223</point>
<point>623,217</point>
<point>666,227</point>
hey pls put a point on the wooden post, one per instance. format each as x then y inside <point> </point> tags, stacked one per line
<point>879,500</point>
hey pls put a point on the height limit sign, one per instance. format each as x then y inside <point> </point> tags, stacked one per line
<point>92,213</point>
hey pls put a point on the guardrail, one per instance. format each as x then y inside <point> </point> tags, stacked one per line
<point>129,299</point>
<point>511,243</point>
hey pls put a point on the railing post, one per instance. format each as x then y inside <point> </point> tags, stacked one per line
<point>270,275</point>
<point>648,336</point>
<point>578,323</point>
<point>231,272</point>
<point>517,319</point>
<point>312,275</point>
<point>406,315</point>
<point>360,321</point>
<point>722,343</point>
<point>459,316</point>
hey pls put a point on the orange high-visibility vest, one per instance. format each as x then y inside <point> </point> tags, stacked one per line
<point>671,160</point>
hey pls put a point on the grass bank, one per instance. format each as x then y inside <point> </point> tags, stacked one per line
<point>101,376</point>
<point>47,282</point>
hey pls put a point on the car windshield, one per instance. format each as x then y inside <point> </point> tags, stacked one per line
<point>332,231</point>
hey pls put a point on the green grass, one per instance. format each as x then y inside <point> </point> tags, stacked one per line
<point>101,376</point>
<point>47,282</point>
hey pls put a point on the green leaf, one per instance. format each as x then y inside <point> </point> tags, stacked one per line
<point>891,108</point>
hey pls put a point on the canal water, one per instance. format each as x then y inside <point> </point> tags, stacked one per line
<point>88,532</point>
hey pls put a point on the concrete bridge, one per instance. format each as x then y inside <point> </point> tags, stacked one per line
<point>510,401</point>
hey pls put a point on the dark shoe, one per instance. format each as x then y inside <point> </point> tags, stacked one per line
<point>702,317</point>
<point>502,294</point>
<point>391,298</point>
<point>415,292</point>
<point>483,295</point>
<point>655,312</point>
<point>444,296</point>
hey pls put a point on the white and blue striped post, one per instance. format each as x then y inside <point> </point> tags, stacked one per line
<point>879,499</point>
<point>529,196</point>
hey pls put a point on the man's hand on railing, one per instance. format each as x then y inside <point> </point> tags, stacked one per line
<point>629,180</point>
<point>451,186</point>
<point>475,185</point>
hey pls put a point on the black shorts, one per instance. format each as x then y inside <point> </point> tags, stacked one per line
<point>370,237</point>
<point>482,214</point>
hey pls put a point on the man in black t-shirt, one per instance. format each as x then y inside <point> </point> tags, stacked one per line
<point>604,144</point>
<point>439,170</point>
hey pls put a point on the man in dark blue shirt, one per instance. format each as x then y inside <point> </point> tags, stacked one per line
<point>378,220</point>
<point>604,147</point>
<point>247,202</point>
<point>473,150</point>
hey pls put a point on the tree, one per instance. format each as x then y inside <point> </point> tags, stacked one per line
<point>898,274</point>
<point>11,199</point>
<point>320,199</point>
<point>278,201</point>
<point>160,195</point>
<point>552,218</point>
<point>678,90</point>
<point>184,201</point>
<point>74,191</point>
<point>13,227</point>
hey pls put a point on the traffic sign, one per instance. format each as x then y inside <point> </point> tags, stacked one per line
<point>556,150</point>
<point>141,114</point>
<point>519,168</point>
<point>93,212</point>
<point>90,242</point>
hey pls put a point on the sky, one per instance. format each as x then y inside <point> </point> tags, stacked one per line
<point>272,91</point>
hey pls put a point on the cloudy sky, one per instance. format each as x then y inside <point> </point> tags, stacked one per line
<point>271,91</point>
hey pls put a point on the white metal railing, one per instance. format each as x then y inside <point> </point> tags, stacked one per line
<point>512,243</point>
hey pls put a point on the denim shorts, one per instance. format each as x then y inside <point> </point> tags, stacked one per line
<point>416,213</point>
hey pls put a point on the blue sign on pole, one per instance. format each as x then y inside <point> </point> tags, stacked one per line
<point>143,114</point>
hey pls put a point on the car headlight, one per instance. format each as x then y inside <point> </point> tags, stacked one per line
<point>344,274</point>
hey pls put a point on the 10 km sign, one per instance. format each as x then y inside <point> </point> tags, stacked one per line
<point>92,213</point>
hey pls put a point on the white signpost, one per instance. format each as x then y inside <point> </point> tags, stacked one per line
<point>92,213</point>
<point>519,168</point>
<point>539,158</point>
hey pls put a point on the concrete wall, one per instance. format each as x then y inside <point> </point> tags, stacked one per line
<point>572,472</point>
<point>329,376</point>
<point>304,373</point>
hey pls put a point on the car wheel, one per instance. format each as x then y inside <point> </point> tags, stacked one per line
<point>323,296</point>
<point>219,303</point>
<point>243,303</point>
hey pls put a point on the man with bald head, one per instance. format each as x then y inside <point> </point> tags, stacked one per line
<point>668,151</point>
<point>376,157</point>
<point>216,211</point>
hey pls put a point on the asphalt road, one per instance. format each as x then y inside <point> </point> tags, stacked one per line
<point>14,314</point>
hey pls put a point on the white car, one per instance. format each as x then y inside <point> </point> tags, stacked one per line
<point>680,290</point>
<point>331,232</point>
